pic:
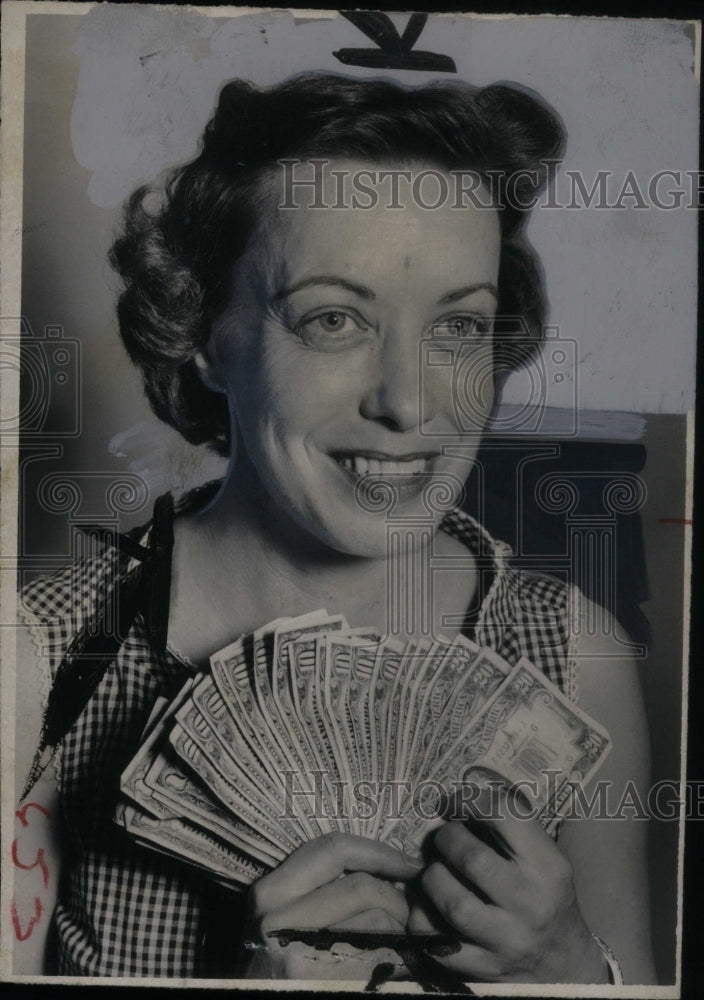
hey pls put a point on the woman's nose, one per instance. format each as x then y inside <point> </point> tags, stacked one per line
<point>394,392</point>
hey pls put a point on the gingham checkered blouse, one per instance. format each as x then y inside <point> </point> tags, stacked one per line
<point>125,910</point>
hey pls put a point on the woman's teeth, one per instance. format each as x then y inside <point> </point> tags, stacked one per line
<point>362,466</point>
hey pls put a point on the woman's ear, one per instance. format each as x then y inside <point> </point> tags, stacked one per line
<point>208,372</point>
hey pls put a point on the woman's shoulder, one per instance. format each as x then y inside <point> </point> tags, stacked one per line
<point>71,589</point>
<point>533,590</point>
<point>55,606</point>
<point>52,609</point>
<point>540,593</point>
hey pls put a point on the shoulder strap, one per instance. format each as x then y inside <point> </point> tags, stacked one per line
<point>144,588</point>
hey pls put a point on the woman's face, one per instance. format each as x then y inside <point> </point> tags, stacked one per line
<point>358,343</point>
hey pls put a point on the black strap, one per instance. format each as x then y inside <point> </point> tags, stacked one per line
<point>158,583</point>
<point>94,648</point>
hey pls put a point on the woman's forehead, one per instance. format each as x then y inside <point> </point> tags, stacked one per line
<point>363,216</point>
<point>338,183</point>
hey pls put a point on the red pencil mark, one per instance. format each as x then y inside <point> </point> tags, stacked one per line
<point>38,861</point>
<point>23,934</point>
<point>674,520</point>
<point>21,814</point>
<point>33,921</point>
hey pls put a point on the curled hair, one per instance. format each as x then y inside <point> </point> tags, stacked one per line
<point>176,260</point>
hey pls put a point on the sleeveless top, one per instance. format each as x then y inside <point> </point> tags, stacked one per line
<point>126,910</point>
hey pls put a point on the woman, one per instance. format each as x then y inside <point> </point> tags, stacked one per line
<point>291,338</point>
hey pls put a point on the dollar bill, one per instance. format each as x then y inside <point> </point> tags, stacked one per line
<point>305,666</point>
<point>159,709</point>
<point>348,666</point>
<point>207,720</point>
<point>172,786</point>
<point>415,662</point>
<point>390,788</point>
<point>467,699</point>
<point>528,736</point>
<point>157,727</point>
<point>388,663</point>
<point>362,659</point>
<point>307,763</point>
<point>234,678</point>
<point>333,717</point>
<point>240,767</point>
<point>240,799</point>
<point>453,670</point>
<point>262,655</point>
<point>188,843</point>
<point>249,736</point>
<point>420,680</point>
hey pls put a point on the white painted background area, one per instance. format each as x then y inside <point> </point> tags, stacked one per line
<point>622,284</point>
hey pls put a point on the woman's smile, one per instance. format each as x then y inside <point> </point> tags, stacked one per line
<point>365,463</point>
<point>406,476</point>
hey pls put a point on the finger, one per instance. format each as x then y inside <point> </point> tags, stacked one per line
<point>420,922</point>
<point>337,901</point>
<point>502,881</point>
<point>376,920</point>
<point>471,962</point>
<point>508,819</point>
<point>321,860</point>
<point>484,924</point>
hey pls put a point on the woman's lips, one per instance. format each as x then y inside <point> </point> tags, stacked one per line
<point>407,475</point>
<point>363,465</point>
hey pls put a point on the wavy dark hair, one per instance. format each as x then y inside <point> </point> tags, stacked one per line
<point>176,261</point>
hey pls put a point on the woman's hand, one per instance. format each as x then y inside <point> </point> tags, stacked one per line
<point>337,881</point>
<point>518,916</point>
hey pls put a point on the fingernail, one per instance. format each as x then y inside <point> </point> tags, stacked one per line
<point>439,950</point>
<point>413,861</point>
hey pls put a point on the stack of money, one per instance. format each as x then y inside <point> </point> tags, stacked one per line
<point>307,727</point>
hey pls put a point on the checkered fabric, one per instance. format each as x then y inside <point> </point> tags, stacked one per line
<point>521,614</point>
<point>125,910</point>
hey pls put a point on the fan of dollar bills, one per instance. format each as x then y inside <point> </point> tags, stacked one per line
<point>307,727</point>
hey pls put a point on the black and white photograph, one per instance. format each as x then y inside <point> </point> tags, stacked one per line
<point>348,389</point>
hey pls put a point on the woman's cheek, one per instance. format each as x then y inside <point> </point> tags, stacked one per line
<point>312,391</point>
<point>464,391</point>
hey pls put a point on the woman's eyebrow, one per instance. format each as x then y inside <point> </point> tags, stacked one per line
<point>327,279</point>
<point>461,293</point>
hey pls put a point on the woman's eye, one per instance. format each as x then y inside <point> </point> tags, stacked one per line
<point>464,327</point>
<point>331,329</point>
<point>333,322</point>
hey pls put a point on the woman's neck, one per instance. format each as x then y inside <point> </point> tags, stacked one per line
<point>241,562</point>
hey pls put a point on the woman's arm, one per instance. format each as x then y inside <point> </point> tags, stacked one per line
<point>35,849</point>
<point>608,856</point>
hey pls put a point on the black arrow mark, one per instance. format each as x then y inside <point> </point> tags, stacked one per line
<point>395,51</point>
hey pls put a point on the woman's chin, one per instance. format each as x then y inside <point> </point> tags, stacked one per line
<point>367,535</point>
